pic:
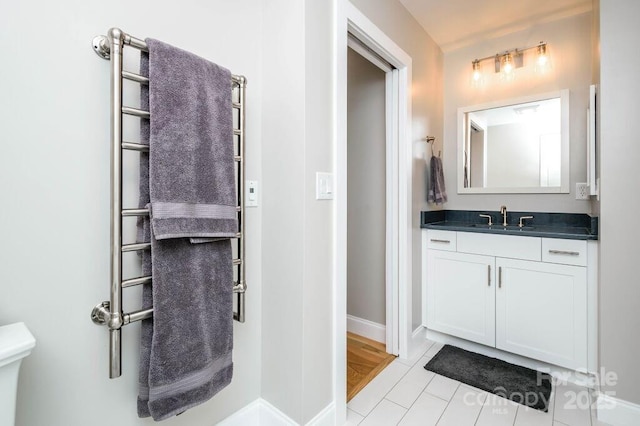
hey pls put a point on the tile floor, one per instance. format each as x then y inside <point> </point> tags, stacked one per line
<point>406,394</point>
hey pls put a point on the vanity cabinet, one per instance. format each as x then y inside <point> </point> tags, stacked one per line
<point>541,311</point>
<point>461,298</point>
<point>524,295</point>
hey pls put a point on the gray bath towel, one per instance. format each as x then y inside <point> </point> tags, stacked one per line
<point>187,179</point>
<point>437,192</point>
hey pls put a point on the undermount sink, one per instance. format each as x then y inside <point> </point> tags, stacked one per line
<point>498,227</point>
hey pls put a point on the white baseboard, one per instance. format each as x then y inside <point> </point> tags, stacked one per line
<point>419,342</point>
<point>366,328</point>
<point>325,417</point>
<point>258,413</point>
<point>617,412</point>
<point>262,413</point>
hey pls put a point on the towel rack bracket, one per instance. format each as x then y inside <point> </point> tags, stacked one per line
<point>101,314</point>
<point>101,46</point>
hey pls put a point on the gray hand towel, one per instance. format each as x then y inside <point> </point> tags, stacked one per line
<point>187,179</point>
<point>437,192</point>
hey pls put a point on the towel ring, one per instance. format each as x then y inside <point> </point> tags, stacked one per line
<point>431,141</point>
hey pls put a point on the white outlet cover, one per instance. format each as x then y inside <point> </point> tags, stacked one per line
<point>582,191</point>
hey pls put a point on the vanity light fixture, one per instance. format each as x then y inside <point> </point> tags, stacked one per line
<point>509,60</point>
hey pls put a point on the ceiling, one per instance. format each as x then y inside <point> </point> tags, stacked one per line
<point>458,23</point>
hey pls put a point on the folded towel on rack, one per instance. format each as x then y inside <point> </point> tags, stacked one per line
<point>437,192</point>
<point>188,181</point>
<point>192,184</point>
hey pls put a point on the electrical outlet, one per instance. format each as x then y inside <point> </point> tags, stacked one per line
<point>582,191</point>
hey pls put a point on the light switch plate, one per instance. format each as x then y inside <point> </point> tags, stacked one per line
<point>324,186</point>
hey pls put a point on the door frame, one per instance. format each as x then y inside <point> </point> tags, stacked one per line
<point>399,159</point>
<point>391,76</point>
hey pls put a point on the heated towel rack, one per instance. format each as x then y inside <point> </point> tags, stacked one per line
<point>110,313</point>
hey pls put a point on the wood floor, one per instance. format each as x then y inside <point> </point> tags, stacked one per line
<point>366,358</point>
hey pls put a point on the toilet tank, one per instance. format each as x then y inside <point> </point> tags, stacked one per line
<point>16,342</point>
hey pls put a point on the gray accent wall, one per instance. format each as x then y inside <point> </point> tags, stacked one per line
<point>366,176</point>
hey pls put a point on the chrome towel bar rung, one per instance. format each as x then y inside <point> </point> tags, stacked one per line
<point>132,282</point>
<point>135,77</point>
<point>135,212</point>
<point>136,281</point>
<point>135,146</point>
<point>137,316</point>
<point>135,247</point>
<point>135,112</point>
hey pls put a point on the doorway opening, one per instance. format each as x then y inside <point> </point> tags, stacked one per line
<point>398,232</point>
<point>369,310</point>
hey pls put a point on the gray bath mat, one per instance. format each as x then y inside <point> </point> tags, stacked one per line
<point>519,384</point>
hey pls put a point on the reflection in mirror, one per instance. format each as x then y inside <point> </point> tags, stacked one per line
<point>515,146</point>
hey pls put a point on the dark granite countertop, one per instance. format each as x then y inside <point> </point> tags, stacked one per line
<point>573,226</point>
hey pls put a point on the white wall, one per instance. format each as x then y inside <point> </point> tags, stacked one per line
<point>396,22</point>
<point>366,177</point>
<point>620,201</point>
<point>317,333</point>
<point>569,46</point>
<point>282,205</point>
<point>54,186</point>
<point>297,347</point>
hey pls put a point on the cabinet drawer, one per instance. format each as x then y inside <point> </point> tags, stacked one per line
<point>566,252</point>
<point>441,240</point>
<point>509,246</point>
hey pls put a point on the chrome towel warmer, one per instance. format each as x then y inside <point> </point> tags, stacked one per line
<point>110,312</point>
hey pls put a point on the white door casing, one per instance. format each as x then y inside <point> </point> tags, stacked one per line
<point>350,20</point>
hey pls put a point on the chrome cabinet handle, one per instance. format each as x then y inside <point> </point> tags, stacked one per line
<point>568,253</point>
<point>488,275</point>
<point>499,276</point>
<point>434,240</point>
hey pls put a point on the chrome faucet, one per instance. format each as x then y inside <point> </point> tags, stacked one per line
<point>487,216</point>
<point>503,212</point>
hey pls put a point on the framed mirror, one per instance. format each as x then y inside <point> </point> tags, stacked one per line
<point>515,146</point>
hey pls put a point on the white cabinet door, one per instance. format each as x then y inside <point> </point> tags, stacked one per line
<point>541,311</point>
<point>461,295</point>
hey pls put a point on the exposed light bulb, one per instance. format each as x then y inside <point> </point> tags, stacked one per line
<point>507,64</point>
<point>542,63</point>
<point>476,70</point>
